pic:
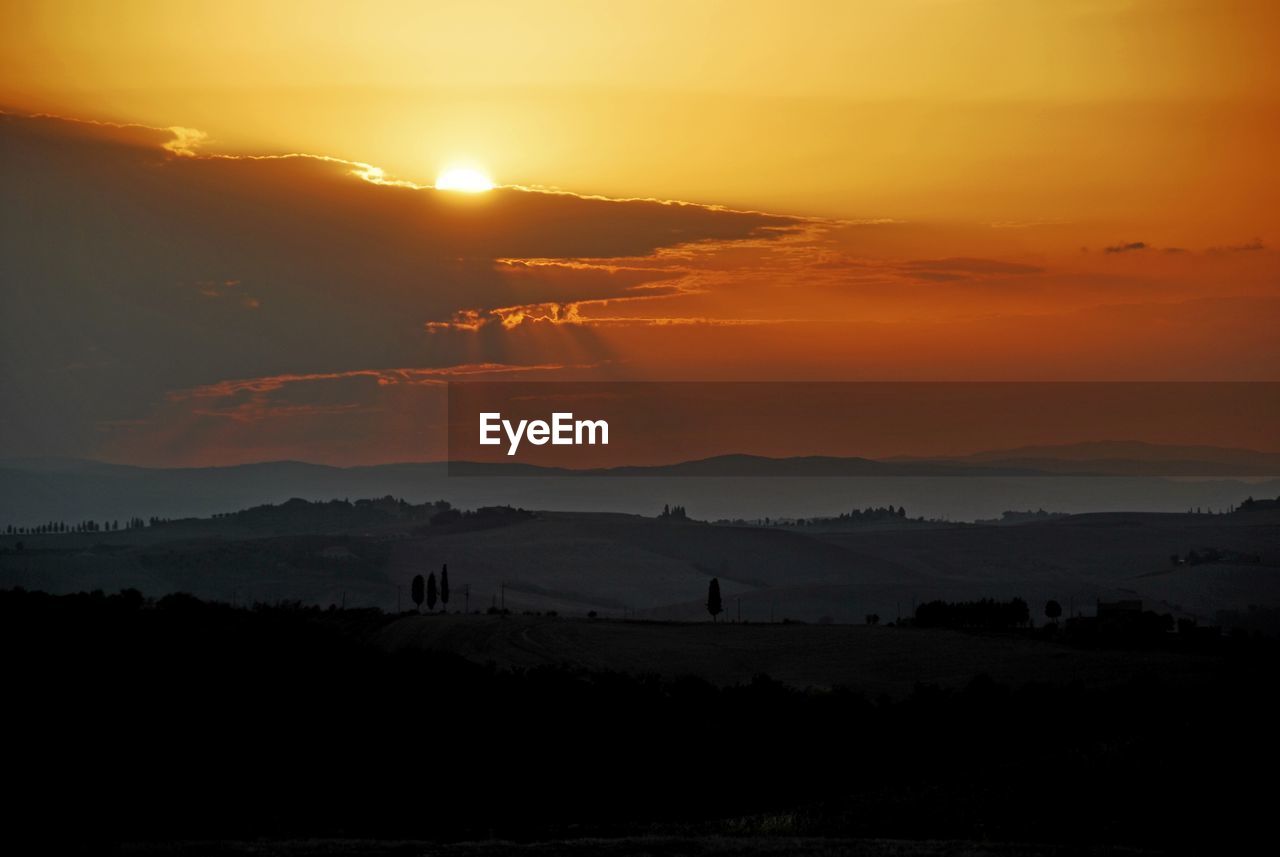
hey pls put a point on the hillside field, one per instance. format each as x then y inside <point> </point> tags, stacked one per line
<point>634,567</point>
<point>870,660</point>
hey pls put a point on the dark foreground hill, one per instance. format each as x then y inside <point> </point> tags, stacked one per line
<point>174,726</point>
<point>683,844</point>
<point>871,660</point>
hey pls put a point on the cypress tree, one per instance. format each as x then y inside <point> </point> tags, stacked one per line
<point>418,590</point>
<point>714,605</point>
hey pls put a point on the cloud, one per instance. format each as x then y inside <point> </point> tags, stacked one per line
<point>382,377</point>
<point>144,265</point>
<point>353,416</point>
<point>551,312</point>
<point>957,268</point>
<point>1126,248</point>
<point>174,306</point>
<point>1249,247</point>
<point>185,141</point>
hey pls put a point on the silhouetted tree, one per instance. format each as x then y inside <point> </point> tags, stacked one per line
<point>419,585</point>
<point>432,593</point>
<point>714,605</point>
<point>444,587</point>
<point>1053,610</point>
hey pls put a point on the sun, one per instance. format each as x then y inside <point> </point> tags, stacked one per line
<point>465,179</point>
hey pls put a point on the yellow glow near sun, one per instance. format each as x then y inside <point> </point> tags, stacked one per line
<point>465,179</point>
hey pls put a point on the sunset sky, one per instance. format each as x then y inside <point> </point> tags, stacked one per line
<point>223,243</point>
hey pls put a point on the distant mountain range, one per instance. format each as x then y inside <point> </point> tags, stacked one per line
<point>37,490</point>
<point>1125,458</point>
<point>1094,458</point>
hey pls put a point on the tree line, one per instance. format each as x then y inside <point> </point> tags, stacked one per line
<point>88,526</point>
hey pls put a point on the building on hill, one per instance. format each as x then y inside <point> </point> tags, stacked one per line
<point>1252,505</point>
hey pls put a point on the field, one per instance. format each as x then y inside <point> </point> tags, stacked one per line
<point>872,660</point>
<point>628,566</point>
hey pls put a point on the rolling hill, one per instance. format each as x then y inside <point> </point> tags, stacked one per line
<point>365,554</point>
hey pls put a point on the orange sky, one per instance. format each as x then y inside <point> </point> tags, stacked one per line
<point>919,189</point>
<point>1111,111</point>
